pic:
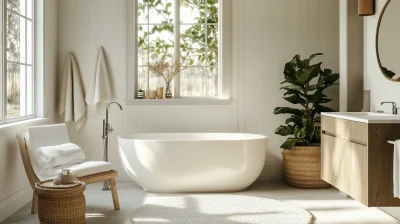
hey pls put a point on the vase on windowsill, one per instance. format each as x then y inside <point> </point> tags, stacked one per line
<point>168,93</point>
<point>167,71</point>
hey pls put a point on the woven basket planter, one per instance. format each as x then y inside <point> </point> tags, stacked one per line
<point>366,7</point>
<point>302,167</point>
<point>61,206</point>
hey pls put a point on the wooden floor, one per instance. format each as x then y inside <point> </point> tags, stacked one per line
<point>326,206</point>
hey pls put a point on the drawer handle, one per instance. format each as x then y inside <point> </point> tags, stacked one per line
<point>341,137</point>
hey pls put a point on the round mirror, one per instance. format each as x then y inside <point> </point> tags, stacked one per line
<point>388,40</point>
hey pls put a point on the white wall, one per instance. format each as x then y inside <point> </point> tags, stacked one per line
<point>15,190</point>
<point>265,35</point>
<point>381,88</point>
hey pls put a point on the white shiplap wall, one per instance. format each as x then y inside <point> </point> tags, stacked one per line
<point>265,35</point>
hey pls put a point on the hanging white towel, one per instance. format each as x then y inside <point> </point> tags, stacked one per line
<point>396,169</point>
<point>100,89</point>
<point>72,101</point>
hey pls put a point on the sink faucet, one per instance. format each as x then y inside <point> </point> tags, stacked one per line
<point>394,108</point>
<point>107,129</point>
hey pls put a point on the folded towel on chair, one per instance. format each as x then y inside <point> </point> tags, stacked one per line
<point>80,170</point>
<point>50,157</point>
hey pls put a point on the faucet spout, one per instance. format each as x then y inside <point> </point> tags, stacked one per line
<point>108,106</point>
<point>394,107</point>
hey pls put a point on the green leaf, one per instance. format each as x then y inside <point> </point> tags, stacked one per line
<point>314,55</point>
<point>291,92</point>
<point>296,61</point>
<point>306,75</point>
<point>288,110</point>
<point>326,72</point>
<point>289,71</point>
<point>294,88</point>
<point>313,98</point>
<point>290,143</point>
<point>312,87</point>
<point>317,135</point>
<point>331,78</point>
<point>328,85</point>
<point>323,100</point>
<point>294,119</point>
<point>284,130</point>
<point>295,99</point>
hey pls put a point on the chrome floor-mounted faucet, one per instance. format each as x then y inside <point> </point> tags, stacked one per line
<point>107,129</point>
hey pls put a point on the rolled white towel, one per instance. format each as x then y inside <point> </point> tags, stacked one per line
<point>51,157</point>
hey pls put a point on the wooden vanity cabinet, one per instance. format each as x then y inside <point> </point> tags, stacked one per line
<point>356,159</point>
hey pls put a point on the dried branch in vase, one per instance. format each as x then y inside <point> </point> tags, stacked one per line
<point>166,70</point>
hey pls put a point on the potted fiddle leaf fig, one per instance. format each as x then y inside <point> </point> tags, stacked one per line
<point>304,85</point>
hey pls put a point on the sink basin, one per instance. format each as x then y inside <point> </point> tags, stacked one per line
<point>366,117</point>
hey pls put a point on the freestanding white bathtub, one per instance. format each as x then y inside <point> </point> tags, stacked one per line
<point>176,163</point>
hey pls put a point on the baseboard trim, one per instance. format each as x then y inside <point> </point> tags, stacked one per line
<point>15,202</point>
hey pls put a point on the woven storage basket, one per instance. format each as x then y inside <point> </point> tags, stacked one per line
<point>61,206</point>
<point>302,167</point>
<point>366,7</point>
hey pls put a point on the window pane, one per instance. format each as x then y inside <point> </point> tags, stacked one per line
<point>192,11</point>
<point>193,45</point>
<point>14,74</point>
<point>212,81</point>
<point>16,49</point>
<point>142,78</point>
<point>212,11</point>
<point>142,11</point>
<point>29,8</point>
<point>193,82</point>
<point>29,91</point>
<point>212,44</point>
<point>161,11</point>
<point>29,43</point>
<point>17,6</point>
<point>161,42</point>
<point>143,38</point>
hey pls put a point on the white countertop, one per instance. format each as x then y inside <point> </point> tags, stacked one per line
<point>365,117</point>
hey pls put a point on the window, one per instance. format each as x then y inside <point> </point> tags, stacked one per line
<point>18,61</point>
<point>188,30</point>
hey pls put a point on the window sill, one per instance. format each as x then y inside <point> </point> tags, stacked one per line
<point>186,101</point>
<point>5,128</point>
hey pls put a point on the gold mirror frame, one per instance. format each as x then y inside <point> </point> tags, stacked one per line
<point>377,42</point>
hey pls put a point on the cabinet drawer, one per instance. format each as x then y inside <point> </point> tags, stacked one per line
<point>332,154</point>
<point>345,166</point>
<point>352,131</point>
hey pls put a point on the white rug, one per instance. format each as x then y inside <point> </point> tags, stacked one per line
<point>218,209</point>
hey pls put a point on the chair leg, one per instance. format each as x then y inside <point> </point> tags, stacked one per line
<point>114,193</point>
<point>34,208</point>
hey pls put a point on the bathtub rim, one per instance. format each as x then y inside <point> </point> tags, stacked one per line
<point>131,137</point>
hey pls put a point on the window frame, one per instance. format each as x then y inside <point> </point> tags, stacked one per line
<point>224,27</point>
<point>4,63</point>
